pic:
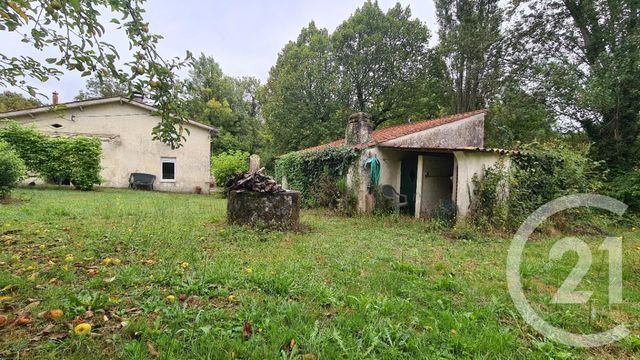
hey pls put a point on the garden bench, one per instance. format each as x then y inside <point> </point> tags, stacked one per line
<point>141,181</point>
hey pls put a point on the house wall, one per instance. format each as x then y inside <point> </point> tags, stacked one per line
<point>127,145</point>
<point>359,175</point>
<point>464,133</point>
<point>440,179</point>
<point>467,165</point>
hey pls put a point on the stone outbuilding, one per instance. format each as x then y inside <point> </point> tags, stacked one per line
<point>432,162</point>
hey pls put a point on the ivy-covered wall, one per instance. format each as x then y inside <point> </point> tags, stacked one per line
<point>307,172</point>
<point>74,159</point>
<point>503,197</point>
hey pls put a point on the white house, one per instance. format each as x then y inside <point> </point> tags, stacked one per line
<point>431,162</point>
<point>124,126</point>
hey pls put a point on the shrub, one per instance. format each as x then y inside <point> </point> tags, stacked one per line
<point>465,231</point>
<point>626,188</point>
<point>347,201</point>
<point>76,159</point>
<point>326,192</point>
<point>83,154</point>
<point>305,170</point>
<point>12,168</point>
<point>445,212</point>
<point>228,164</point>
<point>504,197</point>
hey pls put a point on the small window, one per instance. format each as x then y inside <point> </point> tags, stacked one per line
<point>56,126</point>
<point>168,169</point>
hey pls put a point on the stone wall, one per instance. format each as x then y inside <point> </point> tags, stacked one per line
<point>280,211</point>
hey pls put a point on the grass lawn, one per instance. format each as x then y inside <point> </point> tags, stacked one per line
<point>364,287</point>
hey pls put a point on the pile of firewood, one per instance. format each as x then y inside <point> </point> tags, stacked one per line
<point>253,181</point>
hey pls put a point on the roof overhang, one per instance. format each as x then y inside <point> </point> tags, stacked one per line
<point>92,102</point>
<point>449,150</point>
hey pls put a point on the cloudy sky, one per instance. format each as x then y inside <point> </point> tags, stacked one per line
<point>244,36</point>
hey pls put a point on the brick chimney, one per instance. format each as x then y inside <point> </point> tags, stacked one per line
<point>54,98</point>
<point>359,129</point>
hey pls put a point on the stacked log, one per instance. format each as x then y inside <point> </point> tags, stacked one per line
<point>253,181</point>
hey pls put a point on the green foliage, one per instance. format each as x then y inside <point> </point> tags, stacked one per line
<point>228,103</point>
<point>228,164</point>
<point>10,101</point>
<point>518,118</point>
<point>469,32</point>
<point>386,62</point>
<point>108,86</point>
<point>12,168</point>
<point>626,188</point>
<point>375,61</point>
<point>57,159</point>
<point>83,156</point>
<point>73,34</point>
<point>368,287</point>
<point>334,194</point>
<point>303,100</point>
<point>583,56</point>
<point>505,196</point>
<point>445,212</point>
<point>305,171</point>
<point>466,232</point>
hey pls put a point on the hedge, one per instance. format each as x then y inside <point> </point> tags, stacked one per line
<point>75,159</point>
<point>12,168</point>
<point>305,171</point>
<point>541,173</point>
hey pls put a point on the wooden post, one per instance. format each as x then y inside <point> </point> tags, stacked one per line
<point>254,163</point>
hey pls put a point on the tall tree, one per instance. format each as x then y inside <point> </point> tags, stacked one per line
<point>585,55</point>
<point>102,86</point>
<point>469,41</point>
<point>518,117</point>
<point>227,103</point>
<point>10,101</point>
<point>303,101</point>
<point>384,59</point>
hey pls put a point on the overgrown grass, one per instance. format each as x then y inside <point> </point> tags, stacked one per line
<point>364,287</point>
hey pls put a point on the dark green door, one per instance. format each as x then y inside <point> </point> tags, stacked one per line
<point>408,181</point>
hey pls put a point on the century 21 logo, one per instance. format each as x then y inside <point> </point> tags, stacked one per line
<point>567,293</point>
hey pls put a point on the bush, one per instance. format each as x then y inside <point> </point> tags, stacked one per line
<point>227,164</point>
<point>465,231</point>
<point>445,212</point>
<point>12,168</point>
<point>626,188</point>
<point>503,197</point>
<point>326,192</point>
<point>305,170</point>
<point>76,160</point>
<point>83,154</point>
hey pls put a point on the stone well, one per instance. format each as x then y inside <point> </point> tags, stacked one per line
<point>280,210</point>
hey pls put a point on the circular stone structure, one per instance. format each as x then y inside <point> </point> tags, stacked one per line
<point>280,210</point>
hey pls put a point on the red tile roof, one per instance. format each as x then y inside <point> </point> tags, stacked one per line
<point>394,132</point>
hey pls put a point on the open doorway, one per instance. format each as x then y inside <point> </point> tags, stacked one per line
<point>437,183</point>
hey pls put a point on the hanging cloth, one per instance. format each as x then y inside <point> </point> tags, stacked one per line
<point>375,169</point>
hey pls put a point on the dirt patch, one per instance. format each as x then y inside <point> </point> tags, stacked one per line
<point>544,288</point>
<point>11,200</point>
